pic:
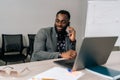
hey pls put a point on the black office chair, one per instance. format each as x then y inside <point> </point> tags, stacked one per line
<point>12,48</point>
<point>31,38</point>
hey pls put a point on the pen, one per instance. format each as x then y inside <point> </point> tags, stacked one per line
<point>69,70</point>
<point>48,79</point>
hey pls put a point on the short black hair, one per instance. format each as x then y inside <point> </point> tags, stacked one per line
<point>64,12</point>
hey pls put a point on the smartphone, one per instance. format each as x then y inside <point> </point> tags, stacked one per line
<point>68,24</point>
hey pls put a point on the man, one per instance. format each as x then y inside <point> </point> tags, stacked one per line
<point>56,42</point>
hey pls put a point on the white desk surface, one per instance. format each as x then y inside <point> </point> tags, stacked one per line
<point>41,66</point>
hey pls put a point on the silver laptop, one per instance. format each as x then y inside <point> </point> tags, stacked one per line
<point>94,51</point>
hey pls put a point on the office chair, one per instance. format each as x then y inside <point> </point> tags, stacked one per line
<point>12,48</point>
<point>31,38</point>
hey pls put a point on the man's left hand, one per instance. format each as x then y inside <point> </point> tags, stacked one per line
<point>71,33</point>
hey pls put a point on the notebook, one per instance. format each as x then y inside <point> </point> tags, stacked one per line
<point>93,51</point>
<point>105,72</point>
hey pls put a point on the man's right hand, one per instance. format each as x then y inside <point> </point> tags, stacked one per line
<point>70,54</point>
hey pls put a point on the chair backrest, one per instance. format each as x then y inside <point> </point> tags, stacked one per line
<point>31,38</point>
<point>12,43</point>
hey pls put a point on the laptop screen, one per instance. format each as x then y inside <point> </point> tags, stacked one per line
<point>94,51</point>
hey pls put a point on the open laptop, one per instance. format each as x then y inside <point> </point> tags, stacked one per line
<point>94,51</point>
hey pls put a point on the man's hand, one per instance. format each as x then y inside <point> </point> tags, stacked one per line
<point>71,33</point>
<point>71,54</point>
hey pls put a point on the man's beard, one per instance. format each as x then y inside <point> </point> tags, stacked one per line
<point>63,31</point>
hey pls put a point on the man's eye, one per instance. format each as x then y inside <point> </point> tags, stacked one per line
<point>64,22</point>
<point>57,21</point>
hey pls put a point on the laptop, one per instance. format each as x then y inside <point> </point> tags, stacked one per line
<point>94,51</point>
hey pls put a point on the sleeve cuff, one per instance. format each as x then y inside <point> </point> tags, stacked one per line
<point>59,55</point>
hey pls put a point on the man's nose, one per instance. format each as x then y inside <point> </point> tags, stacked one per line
<point>60,24</point>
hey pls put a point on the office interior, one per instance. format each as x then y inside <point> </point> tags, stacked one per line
<point>88,17</point>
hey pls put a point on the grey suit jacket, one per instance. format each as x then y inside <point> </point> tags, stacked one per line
<point>45,44</point>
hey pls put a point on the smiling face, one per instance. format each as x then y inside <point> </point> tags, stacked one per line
<point>61,22</point>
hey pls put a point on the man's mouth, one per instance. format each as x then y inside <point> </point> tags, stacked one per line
<point>59,29</point>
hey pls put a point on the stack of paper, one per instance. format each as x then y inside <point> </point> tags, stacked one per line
<point>58,73</point>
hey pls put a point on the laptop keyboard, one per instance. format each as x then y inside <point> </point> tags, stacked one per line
<point>66,63</point>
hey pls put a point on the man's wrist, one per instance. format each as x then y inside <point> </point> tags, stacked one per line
<point>73,40</point>
<point>59,55</point>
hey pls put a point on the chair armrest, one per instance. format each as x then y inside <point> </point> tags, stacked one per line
<point>25,46</point>
<point>0,49</point>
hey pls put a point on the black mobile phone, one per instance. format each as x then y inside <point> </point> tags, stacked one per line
<point>68,24</point>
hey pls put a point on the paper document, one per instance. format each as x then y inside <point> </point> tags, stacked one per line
<point>58,73</point>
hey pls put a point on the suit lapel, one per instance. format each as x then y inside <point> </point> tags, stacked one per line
<point>54,39</point>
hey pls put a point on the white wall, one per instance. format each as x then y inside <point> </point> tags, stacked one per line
<point>103,18</point>
<point>28,16</point>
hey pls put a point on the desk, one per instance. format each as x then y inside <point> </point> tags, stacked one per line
<point>41,66</point>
